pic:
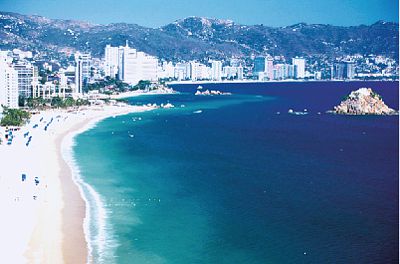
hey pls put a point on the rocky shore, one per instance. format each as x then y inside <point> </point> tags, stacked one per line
<point>363,101</point>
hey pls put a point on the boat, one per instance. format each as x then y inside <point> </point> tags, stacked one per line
<point>197,112</point>
<point>199,87</point>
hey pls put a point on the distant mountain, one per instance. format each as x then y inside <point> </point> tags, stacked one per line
<point>198,38</point>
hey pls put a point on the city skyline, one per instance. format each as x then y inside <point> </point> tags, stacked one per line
<point>252,12</point>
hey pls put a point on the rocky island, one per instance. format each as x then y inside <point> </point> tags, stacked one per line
<point>363,101</point>
<point>212,92</point>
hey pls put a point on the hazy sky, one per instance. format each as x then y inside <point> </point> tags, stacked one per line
<point>155,13</point>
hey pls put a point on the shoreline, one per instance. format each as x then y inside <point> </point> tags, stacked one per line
<point>272,81</point>
<point>76,215</point>
<point>48,221</point>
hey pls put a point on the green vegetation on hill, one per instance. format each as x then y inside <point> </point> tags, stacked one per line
<point>142,85</point>
<point>113,84</point>
<point>109,85</point>
<point>14,117</point>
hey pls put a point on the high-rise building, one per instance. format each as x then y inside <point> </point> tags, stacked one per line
<point>111,61</point>
<point>82,71</point>
<point>343,70</point>
<point>194,70</point>
<point>27,73</point>
<point>216,70</point>
<point>291,71</point>
<point>8,85</point>
<point>259,65</point>
<point>280,71</point>
<point>269,68</point>
<point>134,66</point>
<point>350,70</point>
<point>300,67</point>
<point>180,71</point>
<point>229,72</point>
<point>167,70</point>
<point>204,72</point>
<point>240,72</point>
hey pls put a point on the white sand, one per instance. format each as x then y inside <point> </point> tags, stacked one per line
<point>32,230</point>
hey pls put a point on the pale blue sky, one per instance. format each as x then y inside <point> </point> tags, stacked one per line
<point>154,13</point>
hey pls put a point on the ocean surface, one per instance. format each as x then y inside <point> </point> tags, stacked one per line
<point>243,181</point>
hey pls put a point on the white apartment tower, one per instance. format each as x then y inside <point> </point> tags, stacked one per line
<point>8,85</point>
<point>27,73</point>
<point>240,72</point>
<point>134,66</point>
<point>269,68</point>
<point>300,67</point>
<point>111,61</point>
<point>194,69</point>
<point>82,71</point>
<point>216,70</point>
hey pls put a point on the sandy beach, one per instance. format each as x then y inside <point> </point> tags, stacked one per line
<point>44,209</point>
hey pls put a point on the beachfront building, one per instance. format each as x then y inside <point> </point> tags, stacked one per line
<point>194,70</point>
<point>299,67</point>
<point>111,61</point>
<point>229,72</point>
<point>344,70</point>
<point>280,72</point>
<point>134,66</point>
<point>264,68</point>
<point>82,71</point>
<point>8,85</point>
<point>166,70</point>
<point>269,68</point>
<point>204,72</point>
<point>259,66</point>
<point>27,74</point>
<point>47,91</point>
<point>290,71</point>
<point>240,72</point>
<point>216,70</point>
<point>180,71</point>
<point>139,66</point>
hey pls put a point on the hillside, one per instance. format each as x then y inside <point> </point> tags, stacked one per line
<point>198,38</point>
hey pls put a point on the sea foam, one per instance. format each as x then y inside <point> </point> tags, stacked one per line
<point>97,232</point>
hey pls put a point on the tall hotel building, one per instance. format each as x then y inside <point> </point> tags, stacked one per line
<point>82,71</point>
<point>111,61</point>
<point>27,73</point>
<point>134,66</point>
<point>216,70</point>
<point>343,70</point>
<point>299,67</point>
<point>8,84</point>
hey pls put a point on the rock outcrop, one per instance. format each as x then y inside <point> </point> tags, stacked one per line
<point>212,92</point>
<point>363,101</point>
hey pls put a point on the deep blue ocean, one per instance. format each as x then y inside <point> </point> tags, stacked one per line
<point>241,183</point>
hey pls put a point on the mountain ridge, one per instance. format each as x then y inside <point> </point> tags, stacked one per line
<point>198,38</point>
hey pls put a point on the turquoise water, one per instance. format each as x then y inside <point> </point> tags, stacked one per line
<point>239,183</point>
